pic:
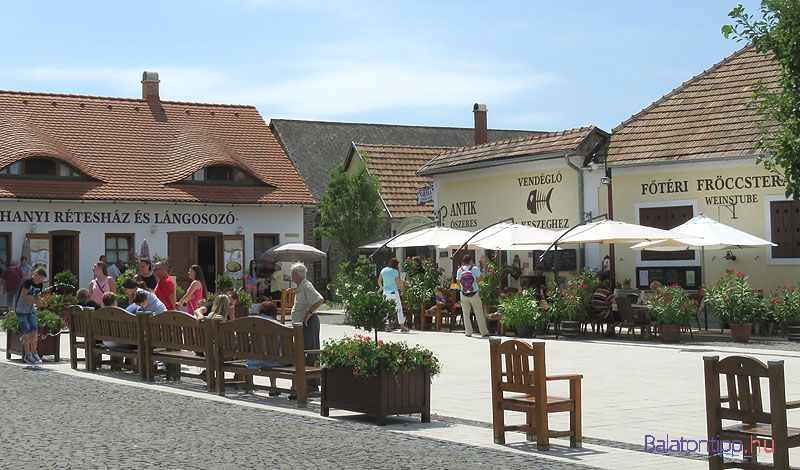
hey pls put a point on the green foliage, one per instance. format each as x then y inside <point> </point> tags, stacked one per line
<point>244,299</point>
<point>422,279</point>
<point>785,305</point>
<point>491,278</point>
<point>566,303</point>
<point>524,310</point>
<point>583,286</point>
<point>224,281</point>
<point>58,304</point>
<point>65,282</point>
<point>179,291</point>
<point>775,33</point>
<point>48,321</point>
<point>672,306</point>
<point>122,296</point>
<point>369,311</point>
<point>354,277</point>
<point>361,353</point>
<point>350,209</point>
<point>733,300</point>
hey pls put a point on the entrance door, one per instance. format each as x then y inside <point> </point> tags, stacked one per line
<point>65,252</point>
<point>207,259</point>
<point>203,249</point>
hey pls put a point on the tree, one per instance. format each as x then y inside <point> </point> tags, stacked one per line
<point>350,209</point>
<point>776,32</point>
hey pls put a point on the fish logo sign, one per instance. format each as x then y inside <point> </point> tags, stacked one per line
<point>535,204</point>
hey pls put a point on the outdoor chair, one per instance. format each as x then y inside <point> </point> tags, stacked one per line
<point>78,323</point>
<point>287,302</point>
<point>628,317</point>
<point>756,429</point>
<point>517,367</point>
<point>440,312</point>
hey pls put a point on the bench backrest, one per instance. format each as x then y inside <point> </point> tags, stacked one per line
<point>179,330</point>
<point>78,321</point>
<point>519,367</point>
<point>117,325</point>
<point>742,377</point>
<point>257,338</point>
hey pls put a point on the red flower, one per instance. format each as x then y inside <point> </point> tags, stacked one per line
<point>351,356</point>
<point>330,351</point>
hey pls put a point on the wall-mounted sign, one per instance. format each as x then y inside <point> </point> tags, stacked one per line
<point>411,222</point>
<point>233,255</point>
<point>425,195</point>
<point>117,217</point>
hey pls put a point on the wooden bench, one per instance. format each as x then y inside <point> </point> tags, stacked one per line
<point>287,302</point>
<point>78,323</point>
<point>512,372</point>
<point>174,338</point>
<point>257,338</point>
<point>754,426</point>
<point>117,325</point>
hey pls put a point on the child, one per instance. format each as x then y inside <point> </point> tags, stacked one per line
<point>441,301</point>
<point>139,302</point>
<point>29,299</point>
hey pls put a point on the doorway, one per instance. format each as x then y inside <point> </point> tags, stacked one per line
<point>64,252</point>
<point>207,260</point>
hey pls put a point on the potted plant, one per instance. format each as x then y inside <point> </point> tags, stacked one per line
<point>785,305</point>
<point>672,308</point>
<point>733,300</point>
<point>243,303</point>
<point>50,326</point>
<point>566,307</point>
<point>524,313</point>
<point>65,283</point>
<point>369,376</point>
<point>626,284</point>
<point>59,304</point>
<point>224,282</point>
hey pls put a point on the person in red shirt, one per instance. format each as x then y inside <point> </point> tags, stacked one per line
<point>12,280</point>
<point>165,288</point>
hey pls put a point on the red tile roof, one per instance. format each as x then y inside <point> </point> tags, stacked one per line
<point>706,117</point>
<point>135,149</point>
<point>496,152</point>
<point>396,167</point>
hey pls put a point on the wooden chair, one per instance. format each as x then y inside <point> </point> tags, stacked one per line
<point>114,324</point>
<point>441,312</point>
<point>629,319</point>
<point>173,338</point>
<point>512,371</point>
<point>287,302</point>
<point>78,323</point>
<point>743,404</point>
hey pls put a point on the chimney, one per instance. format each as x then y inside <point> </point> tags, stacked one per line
<point>481,130</point>
<point>150,83</point>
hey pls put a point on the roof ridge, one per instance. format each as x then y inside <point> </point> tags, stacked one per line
<point>117,98</point>
<point>523,138</point>
<point>682,86</point>
<point>373,124</point>
<point>405,146</point>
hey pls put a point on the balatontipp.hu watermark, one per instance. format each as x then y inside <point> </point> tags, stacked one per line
<point>730,448</point>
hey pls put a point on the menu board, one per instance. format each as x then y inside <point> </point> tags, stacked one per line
<point>233,255</point>
<point>567,260</point>
<point>685,276</point>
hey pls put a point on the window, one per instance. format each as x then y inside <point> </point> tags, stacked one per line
<point>262,243</point>
<point>217,174</point>
<point>119,248</point>
<point>666,218</point>
<point>785,228</point>
<point>40,167</point>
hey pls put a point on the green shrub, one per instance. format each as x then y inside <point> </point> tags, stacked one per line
<point>47,321</point>
<point>65,283</point>
<point>672,306</point>
<point>225,282</point>
<point>361,353</point>
<point>369,311</point>
<point>354,278</point>
<point>524,310</point>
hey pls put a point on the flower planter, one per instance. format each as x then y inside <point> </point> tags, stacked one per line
<point>49,344</point>
<point>524,331</point>
<point>382,395</point>
<point>570,328</point>
<point>741,332</point>
<point>793,332</point>
<point>670,334</point>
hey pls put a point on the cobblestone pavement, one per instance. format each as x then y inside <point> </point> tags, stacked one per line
<point>57,421</point>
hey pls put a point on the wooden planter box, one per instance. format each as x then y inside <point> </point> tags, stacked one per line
<point>385,394</point>
<point>49,344</point>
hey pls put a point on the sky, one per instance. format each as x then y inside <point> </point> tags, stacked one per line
<point>537,65</point>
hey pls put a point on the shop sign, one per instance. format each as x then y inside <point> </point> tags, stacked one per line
<point>459,209</point>
<point>719,184</point>
<point>425,195</point>
<point>117,217</point>
<point>411,222</point>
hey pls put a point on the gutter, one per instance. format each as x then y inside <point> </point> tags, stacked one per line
<point>684,161</point>
<point>581,211</point>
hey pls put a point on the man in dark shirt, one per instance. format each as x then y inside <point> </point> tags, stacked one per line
<point>602,303</point>
<point>12,280</point>
<point>82,296</point>
<point>146,275</point>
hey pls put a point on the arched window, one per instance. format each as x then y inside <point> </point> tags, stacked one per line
<point>221,174</point>
<point>40,167</point>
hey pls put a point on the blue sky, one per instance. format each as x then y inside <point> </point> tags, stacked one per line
<point>537,65</point>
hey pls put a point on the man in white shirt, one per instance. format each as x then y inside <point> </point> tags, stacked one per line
<point>306,302</point>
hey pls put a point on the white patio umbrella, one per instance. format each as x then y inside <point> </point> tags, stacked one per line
<point>293,252</point>
<point>434,236</point>
<point>145,251</point>
<point>613,231</point>
<point>504,235</point>
<point>375,245</point>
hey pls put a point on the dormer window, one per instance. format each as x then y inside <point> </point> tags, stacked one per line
<point>40,167</point>
<point>221,174</point>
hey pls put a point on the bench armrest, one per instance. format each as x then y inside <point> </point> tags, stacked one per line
<point>790,405</point>
<point>565,377</point>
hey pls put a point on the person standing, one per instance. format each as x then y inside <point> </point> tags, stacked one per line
<point>196,291</point>
<point>12,280</point>
<point>390,283</point>
<point>26,269</point>
<point>277,285</point>
<point>146,275</point>
<point>468,277</point>
<point>306,302</point>
<point>101,283</point>
<point>251,282</point>
<point>165,286</point>
<point>30,298</point>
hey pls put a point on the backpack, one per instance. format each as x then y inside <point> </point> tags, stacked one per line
<point>467,280</point>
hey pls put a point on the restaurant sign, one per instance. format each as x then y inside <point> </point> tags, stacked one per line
<point>425,195</point>
<point>116,217</point>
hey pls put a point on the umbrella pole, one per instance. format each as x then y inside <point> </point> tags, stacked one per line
<point>703,280</point>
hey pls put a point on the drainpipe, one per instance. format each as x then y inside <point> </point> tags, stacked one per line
<point>581,251</point>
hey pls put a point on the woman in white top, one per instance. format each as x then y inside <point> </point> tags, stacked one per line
<point>101,283</point>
